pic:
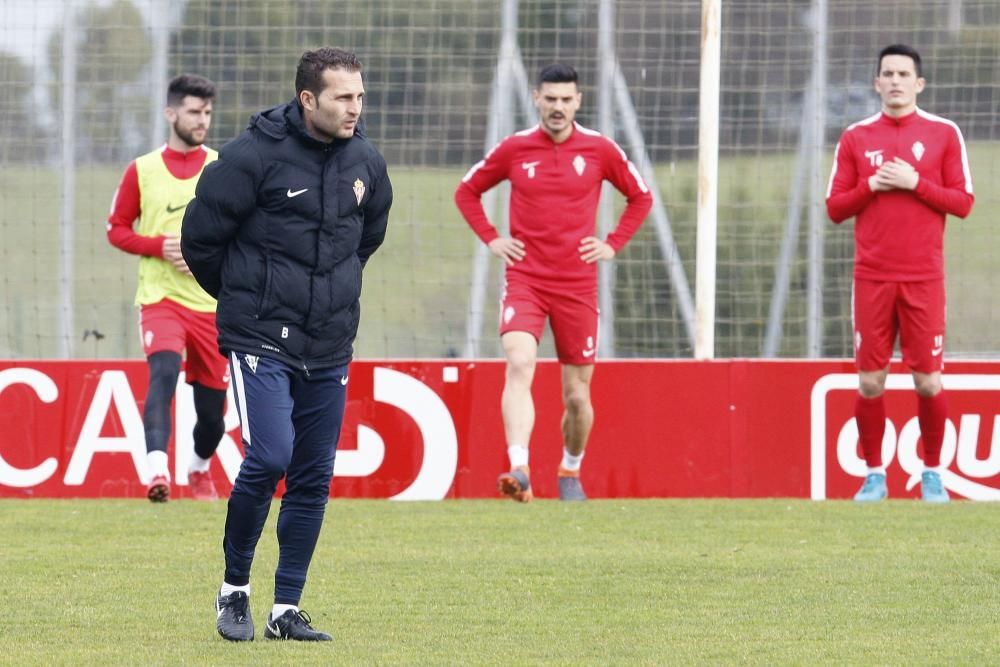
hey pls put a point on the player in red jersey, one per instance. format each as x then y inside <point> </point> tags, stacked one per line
<point>899,173</point>
<point>556,170</point>
<point>176,314</point>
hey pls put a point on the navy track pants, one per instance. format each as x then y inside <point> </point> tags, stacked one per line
<point>290,421</point>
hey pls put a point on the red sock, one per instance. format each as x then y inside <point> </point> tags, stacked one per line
<point>932,411</point>
<point>870,415</point>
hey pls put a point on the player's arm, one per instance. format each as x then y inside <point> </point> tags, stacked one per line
<point>376,213</point>
<point>626,178</point>
<point>226,195</point>
<point>847,193</point>
<point>483,176</point>
<point>954,195</point>
<point>125,209</point>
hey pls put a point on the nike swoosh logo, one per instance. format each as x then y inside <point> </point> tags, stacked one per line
<point>274,630</point>
<point>291,194</point>
<point>588,353</point>
<point>174,209</point>
<point>343,380</point>
<point>936,351</point>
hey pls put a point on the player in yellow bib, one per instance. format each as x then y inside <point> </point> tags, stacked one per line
<point>176,316</point>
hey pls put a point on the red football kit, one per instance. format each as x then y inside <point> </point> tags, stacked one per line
<point>555,190</point>
<point>899,234</point>
<point>167,325</point>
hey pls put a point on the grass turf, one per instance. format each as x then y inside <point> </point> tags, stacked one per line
<point>490,582</point>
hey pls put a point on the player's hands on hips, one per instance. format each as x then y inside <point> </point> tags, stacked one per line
<point>593,249</point>
<point>896,175</point>
<point>172,253</point>
<point>510,251</point>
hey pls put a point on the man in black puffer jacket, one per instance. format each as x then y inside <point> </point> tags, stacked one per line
<point>279,231</point>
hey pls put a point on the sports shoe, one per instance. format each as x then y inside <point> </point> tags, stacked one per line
<point>569,485</point>
<point>516,484</point>
<point>158,490</point>
<point>932,489</point>
<point>234,621</point>
<point>201,486</point>
<point>294,625</point>
<point>873,489</point>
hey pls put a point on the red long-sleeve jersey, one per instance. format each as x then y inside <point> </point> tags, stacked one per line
<point>127,205</point>
<point>555,189</point>
<point>899,234</point>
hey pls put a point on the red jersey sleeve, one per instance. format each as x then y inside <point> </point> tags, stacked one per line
<point>625,177</point>
<point>484,175</point>
<point>954,195</point>
<point>125,209</point>
<point>846,194</point>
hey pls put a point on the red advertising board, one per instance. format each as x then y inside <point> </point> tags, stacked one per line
<point>427,430</point>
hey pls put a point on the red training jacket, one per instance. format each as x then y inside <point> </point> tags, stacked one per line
<point>899,234</point>
<point>555,189</point>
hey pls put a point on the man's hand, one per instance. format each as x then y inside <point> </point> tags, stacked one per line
<point>510,251</point>
<point>172,253</point>
<point>593,249</point>
<point>896,175</point>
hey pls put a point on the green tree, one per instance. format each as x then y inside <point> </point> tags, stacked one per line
<point>19,133</point>
<point>113,55</point>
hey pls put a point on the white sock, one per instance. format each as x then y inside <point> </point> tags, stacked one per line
<point>198,464</point>
<point>156,461</point>
<point>279,609</point>
<point>226,589</point>
<point>880,470</point>
<point>518,455</point>
<point>570,462</point>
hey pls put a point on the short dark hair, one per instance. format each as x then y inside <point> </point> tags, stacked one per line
<point>899,50</point>
<point>189,84</point>
<point>312,64</point>
<point>557,73</point>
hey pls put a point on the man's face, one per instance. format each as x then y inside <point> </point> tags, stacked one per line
<point>897,84</point>
<point>557,105</point>
<point>190,120</point>
<point>334,113</point>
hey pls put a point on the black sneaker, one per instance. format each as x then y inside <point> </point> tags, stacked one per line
<point>234,622</point>
<point>294,625</point>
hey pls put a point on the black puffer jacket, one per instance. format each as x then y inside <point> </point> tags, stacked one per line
<point>278,232</point>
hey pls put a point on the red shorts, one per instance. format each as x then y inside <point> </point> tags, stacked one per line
<point>914,310</point>
<point>167,326</point>
<point>573,317</point>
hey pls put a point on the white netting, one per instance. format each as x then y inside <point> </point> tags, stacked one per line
<point>429,69</point>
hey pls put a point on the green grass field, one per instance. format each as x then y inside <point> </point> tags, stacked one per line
<point>643,582</point>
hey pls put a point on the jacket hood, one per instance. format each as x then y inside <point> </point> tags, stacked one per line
<point>284,119</point>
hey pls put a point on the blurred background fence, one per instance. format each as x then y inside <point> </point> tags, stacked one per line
<point>82,90</point>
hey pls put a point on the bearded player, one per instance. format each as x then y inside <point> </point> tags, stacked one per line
<point>555,170</point>
<point>175,314</point>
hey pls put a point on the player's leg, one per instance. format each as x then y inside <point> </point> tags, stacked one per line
<point>319,400</point>
<point>518,410</point>
<point>162,342</point>
<point>262,391</point>
<point>922,328</point>
<point>574,326</point>
<point>522,320</point>
<point>875,327</point>
<point>577,421</point>
<point>207,371</point>
<point>209,427</point>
